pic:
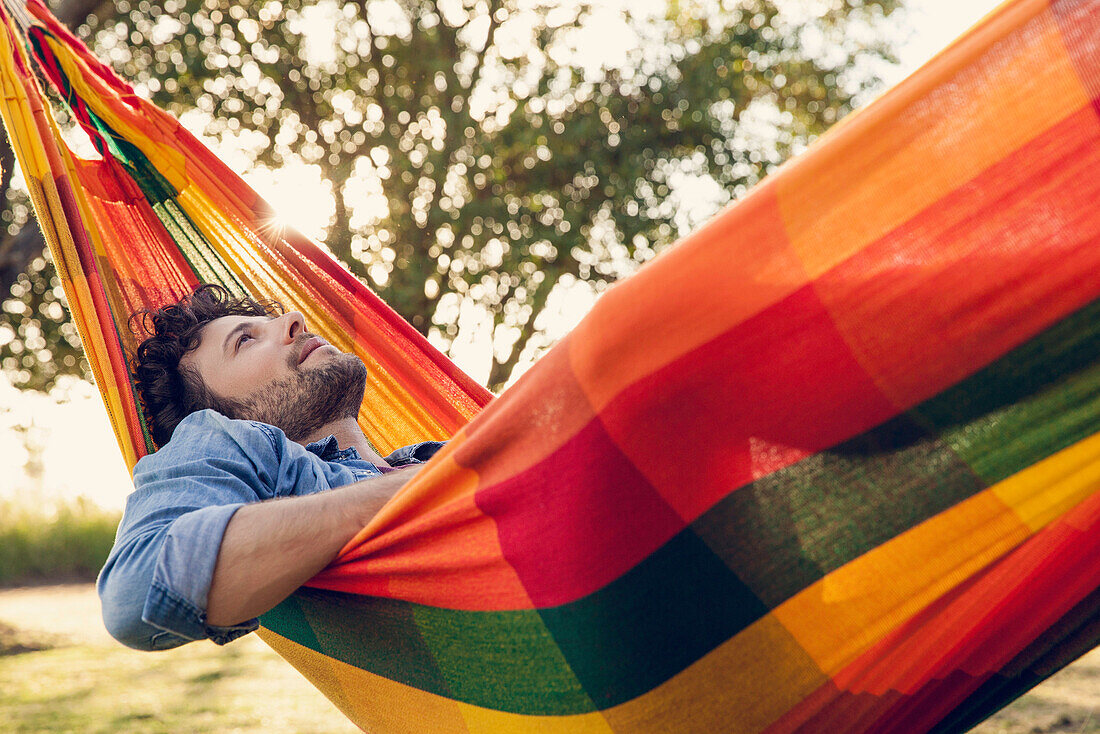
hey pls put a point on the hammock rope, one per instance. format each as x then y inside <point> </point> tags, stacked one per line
<point>828,464</point>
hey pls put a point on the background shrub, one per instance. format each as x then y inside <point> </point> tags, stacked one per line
<point>67,542</point>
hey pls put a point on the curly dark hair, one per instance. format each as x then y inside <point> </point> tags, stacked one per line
<point>169,391</point>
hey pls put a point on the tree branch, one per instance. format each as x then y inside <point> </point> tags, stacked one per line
<point>490,39</point>
<point>444,160</point>
<point>74,12</point>
<point>499,372</point>
<point>17,252</point>
<point>7,166</point>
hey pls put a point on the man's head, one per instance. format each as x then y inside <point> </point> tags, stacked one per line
<point>244,358</point>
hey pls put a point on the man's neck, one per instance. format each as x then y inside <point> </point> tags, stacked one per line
<point>348,436</point>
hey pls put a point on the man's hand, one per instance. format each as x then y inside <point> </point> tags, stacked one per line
<point>271,548</point>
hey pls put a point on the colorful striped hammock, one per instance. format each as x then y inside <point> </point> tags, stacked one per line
<point>828,465</point>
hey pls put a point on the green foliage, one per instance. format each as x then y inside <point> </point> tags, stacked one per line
<point>38,342</point>
<point>71,542</point>
<point>484,150</point>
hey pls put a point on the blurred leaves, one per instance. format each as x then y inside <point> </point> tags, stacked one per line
<point>38,342</point>
<point>485,150</point>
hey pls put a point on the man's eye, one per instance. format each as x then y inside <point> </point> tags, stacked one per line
<point>241,339</point>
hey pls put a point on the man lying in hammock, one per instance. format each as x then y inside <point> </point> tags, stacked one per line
<point>232,515</point>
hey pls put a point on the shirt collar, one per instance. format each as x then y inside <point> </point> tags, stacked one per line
<point>329,450</point>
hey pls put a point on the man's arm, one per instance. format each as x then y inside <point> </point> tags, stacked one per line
<point>271,548</point>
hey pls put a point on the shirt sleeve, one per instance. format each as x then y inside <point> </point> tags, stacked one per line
<point>155,583</point>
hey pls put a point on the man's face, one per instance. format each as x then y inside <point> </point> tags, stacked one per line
<point>273,370</point>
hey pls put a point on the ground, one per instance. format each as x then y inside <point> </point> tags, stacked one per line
<point>87,683</point>
<point>60,672</point>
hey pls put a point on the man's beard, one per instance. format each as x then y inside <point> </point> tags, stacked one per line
<point>307,399</point>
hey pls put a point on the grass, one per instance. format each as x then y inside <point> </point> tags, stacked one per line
<point>85,682</point>
<point>69,541</point>
<point>199,688</point>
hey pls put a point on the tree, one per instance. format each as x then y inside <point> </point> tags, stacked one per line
<point>475,152</point>
<point>20,248</point>
<point>37,341</point>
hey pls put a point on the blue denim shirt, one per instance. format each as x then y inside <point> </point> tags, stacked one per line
<point>154,585</point>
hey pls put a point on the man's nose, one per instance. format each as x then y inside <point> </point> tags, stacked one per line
<point>293,324</point>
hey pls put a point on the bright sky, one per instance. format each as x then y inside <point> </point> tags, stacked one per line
<point>75,453</point>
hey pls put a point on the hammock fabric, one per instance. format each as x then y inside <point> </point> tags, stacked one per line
<point>829,464</point>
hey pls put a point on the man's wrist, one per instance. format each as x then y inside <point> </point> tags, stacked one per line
<point>367,496</point>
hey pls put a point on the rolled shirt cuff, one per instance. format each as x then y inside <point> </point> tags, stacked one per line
<point>177,598</point>
<point>416,453</point>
